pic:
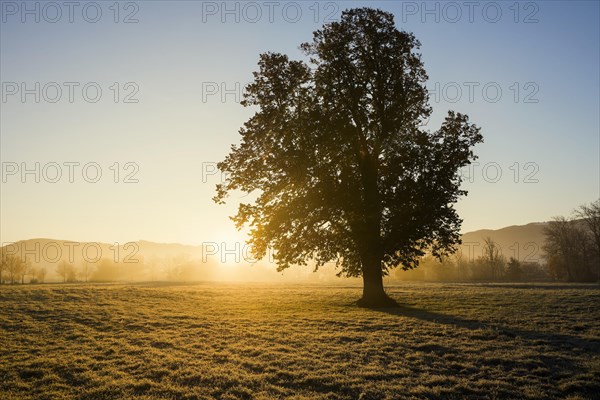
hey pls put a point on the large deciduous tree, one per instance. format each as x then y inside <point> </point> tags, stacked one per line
<point>338,155</point>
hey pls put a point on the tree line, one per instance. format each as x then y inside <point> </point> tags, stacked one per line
<point>19,270</point>
<point>572,245</point>
<point>14,269</point>
<point>491,266</point>
<point>571,253</point>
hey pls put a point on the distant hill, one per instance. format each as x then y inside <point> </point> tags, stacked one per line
<point>523,242</point>
<point>520,241</point>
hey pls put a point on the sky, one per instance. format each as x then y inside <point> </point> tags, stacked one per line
<point>113,115</point>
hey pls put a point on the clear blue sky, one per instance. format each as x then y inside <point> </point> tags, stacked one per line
<point>543,56</point>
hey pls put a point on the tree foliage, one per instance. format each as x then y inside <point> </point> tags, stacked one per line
<point>337,153</point>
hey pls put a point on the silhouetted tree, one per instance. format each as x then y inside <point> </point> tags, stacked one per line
<point>61,270</point>
<point>338,157</point>
<point>492,258</point>
<point>66,271</point>
<point>590,215</point>
<point>40,274</point>
<point>3,264</point>
<point>85,271</point>
<point>567,250</point>
<point>514,272</point>
<point>462,266</point>
<point>25,269</point>
<point>14,267</point>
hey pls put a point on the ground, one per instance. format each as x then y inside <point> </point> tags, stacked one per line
<point>282,341</point>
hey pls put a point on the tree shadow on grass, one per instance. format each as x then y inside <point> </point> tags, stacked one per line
<point>543,286</point>
<point>560,355</point>
<point>570,342</point>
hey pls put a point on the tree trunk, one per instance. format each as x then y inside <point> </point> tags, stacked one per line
<point>373,293</point>
<point>370,236</point>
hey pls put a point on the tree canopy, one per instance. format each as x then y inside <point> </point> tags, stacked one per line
<point>340,159</point>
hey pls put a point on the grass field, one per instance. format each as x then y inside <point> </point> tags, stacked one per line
<point>272,341</point>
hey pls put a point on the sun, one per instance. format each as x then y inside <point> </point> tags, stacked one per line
<point>229,248</point>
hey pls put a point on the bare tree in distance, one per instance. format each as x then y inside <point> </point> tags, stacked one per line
<point>3,264</point>
<point>26,269</point>
<point>514,270</point>
<point>567,249</point>
<point>339,158</point>
<point>590,215</point>
<point>85,271</point>
<point>67,271</point>
<point>15,267</point>
<point>493,258</point>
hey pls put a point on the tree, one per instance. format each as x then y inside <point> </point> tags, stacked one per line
<point>514,272</point>
<point>85,271</point>
<point>14,266</point>
<point>25,269</point>
<point>339,159</point>
<point>567,247</point>
<point>462,266</point>
<point>67,271</point>
<point>590,215</point>
<point>533,271</point>
<point>3,263</point>
<point>492,258</point>
<point>61,269</point>
<point>40,274</point>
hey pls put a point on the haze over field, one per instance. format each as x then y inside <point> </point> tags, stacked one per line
<point>149,261</point>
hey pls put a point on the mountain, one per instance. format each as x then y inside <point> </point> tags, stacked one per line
<point>150,260</point>
<point>523,242</point>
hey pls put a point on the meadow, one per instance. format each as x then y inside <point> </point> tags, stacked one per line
<point>251,341</point>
